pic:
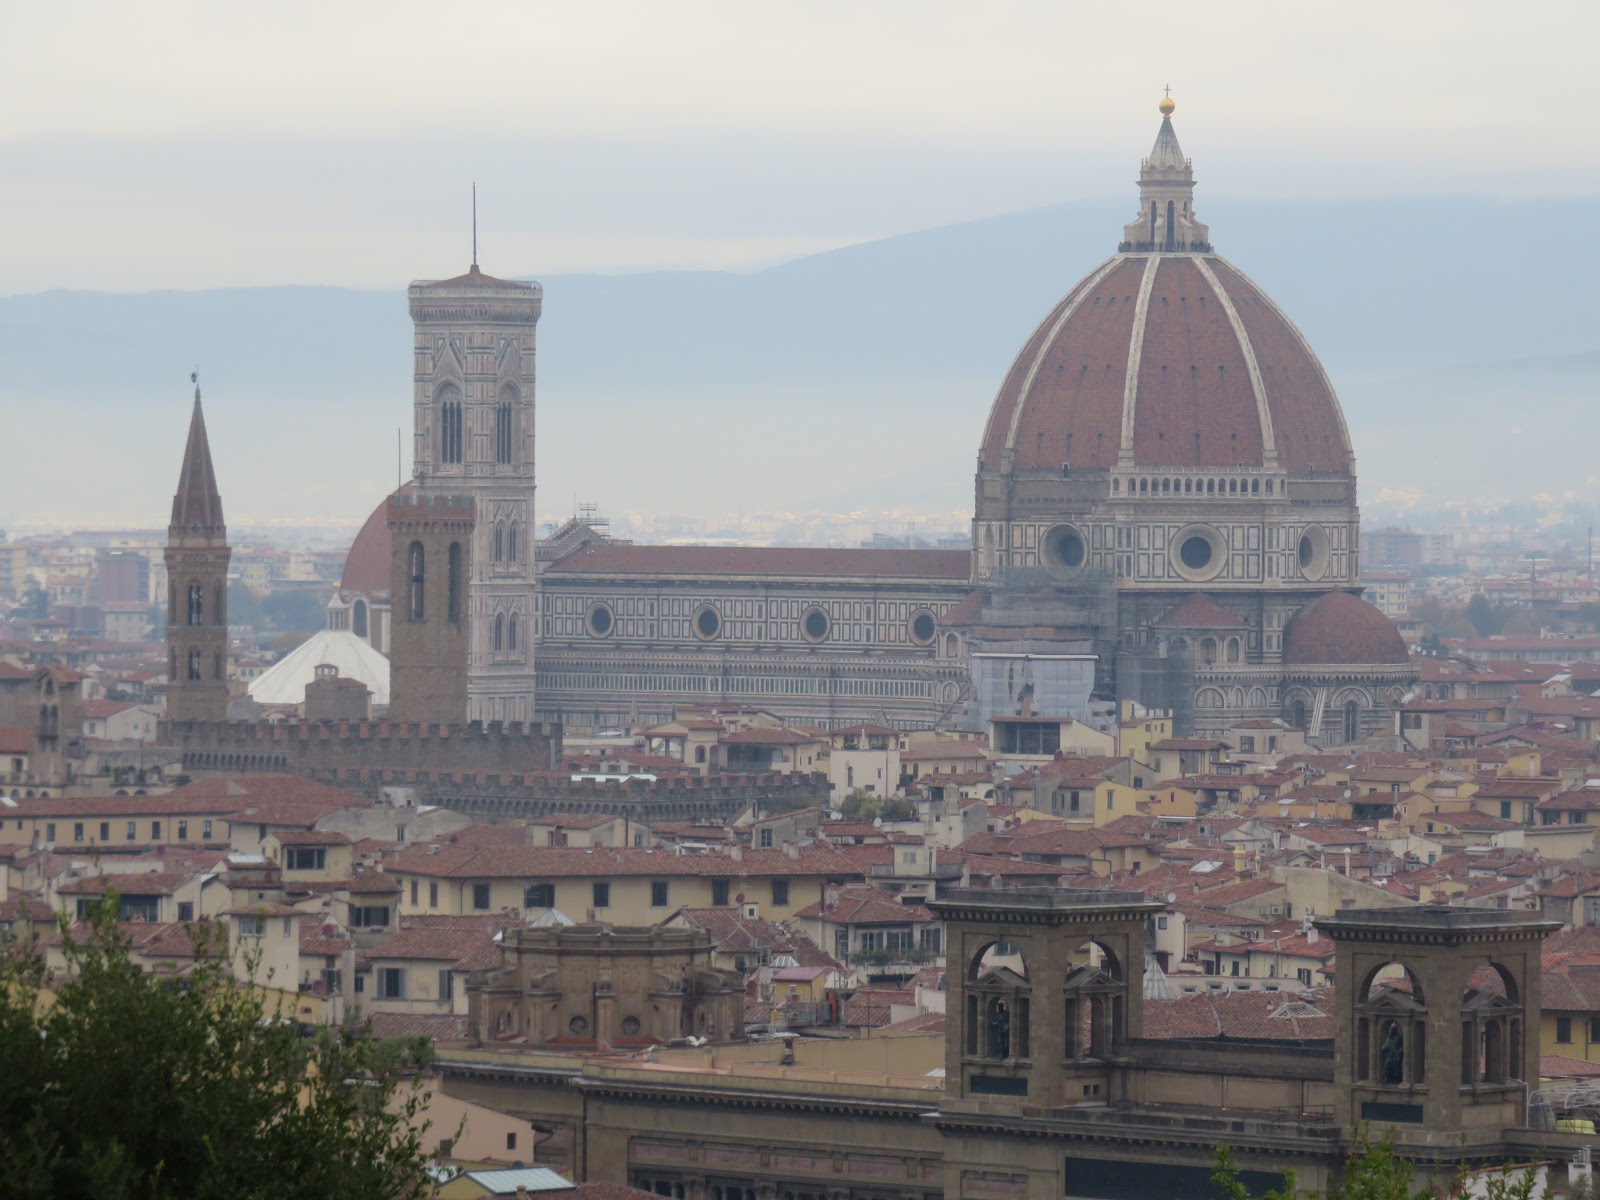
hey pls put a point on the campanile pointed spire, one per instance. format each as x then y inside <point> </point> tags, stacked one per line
<point>197,557</point>
<point>1166,220</point>
<point>196,505</point>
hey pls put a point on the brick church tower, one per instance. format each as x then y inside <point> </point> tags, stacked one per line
<point>197,587</point>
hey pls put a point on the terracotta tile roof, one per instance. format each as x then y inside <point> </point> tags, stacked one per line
<point>315,942</point>
<point>308,837</point>
<point>733,932</point>
<point>615,558</point>
<point>149,883</point>
<point>1562,1066</point>
<point>929,1022</point>
<point>467,943</point>
<point>101,709</point>
<point>869,1007</point>
<point>1198,611</point>
<point>15,739</point>
<point>865,906</point>
<point>436,1027</point>
<point>1287,1015</point>
<point>372,883</point>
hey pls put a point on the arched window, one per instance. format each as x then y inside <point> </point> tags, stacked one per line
<point>499,631</point>
<point>504,424</point>
<point>194,666</point>
<point>1352,720</point>
<point>511,632</point>
<point>453,586</point>
<point>197,605</point>
<point>511,543</point>
<point>1297,714</point>
<point>360,618</point>
<point>1172,230</point>
<point>219,604</point>
<point>699,754</point>
<point>499,543</point>
<point>1208,650</point>
<point>450,431</point>
<point>1233,650</point>
<point>414,568</point>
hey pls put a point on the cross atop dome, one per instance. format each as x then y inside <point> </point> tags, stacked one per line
<point>1166,222</point>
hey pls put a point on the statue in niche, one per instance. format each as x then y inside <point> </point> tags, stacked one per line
<point>1392,1057</point>
<point>999,1031</point>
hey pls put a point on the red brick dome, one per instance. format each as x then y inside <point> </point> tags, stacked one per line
<point>1341,629</point>
<point>1180,358</point>
<point>366,567</point>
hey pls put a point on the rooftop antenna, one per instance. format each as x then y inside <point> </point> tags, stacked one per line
<point>474,224</point>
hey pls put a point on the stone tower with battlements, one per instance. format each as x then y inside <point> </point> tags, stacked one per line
<point>430,633</point>
<point>474,436</point>
<point>197,557</point>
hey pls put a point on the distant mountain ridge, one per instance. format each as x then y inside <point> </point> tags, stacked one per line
<point>812,383</point>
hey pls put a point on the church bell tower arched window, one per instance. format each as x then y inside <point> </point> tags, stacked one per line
<point>416,571</point>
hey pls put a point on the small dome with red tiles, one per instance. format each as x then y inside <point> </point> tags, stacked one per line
<point>1341,629</point>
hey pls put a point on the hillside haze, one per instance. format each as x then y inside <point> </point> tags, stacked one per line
<point>1462,345</point>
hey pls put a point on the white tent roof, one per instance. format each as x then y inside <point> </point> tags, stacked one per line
<point>285,681</point>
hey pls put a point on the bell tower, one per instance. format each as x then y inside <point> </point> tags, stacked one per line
<point>1437,1039</point>
<point>473,356</point>
<point>197,557</point>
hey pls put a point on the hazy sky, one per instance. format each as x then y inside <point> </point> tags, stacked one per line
<point>192,145</point>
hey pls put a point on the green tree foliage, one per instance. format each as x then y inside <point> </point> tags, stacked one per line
<point>130,1084</point>
<point>1486,619</point>
<point>243,607</point>
<point>293,609</point>
<point>1374,1170</point>
<point>865,806</point>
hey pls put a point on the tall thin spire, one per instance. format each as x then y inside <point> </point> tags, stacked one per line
<point>196,505</point>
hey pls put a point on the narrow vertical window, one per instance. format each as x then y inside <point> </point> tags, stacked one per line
<point>499,631</point>
<point>194,666</point>
<point>197,604</point>
<point>499,543</point>
<point>359,618</point>
<point>511,542</point>
<point>450,431</point>
<point>453,586</point>
<point>511,632</point>
<point>504,422</point>
<point>414,567</point>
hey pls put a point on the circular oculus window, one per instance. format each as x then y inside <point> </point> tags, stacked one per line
<point>1063,547</point>
<point>707,623</point>
<point>1312,552</point>
<point>815,625</point>
<point>630,1026</point>
<point>578,1026</point>
<point>1197,553</point>
<point>601,620</point>
<point>923,627</point>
